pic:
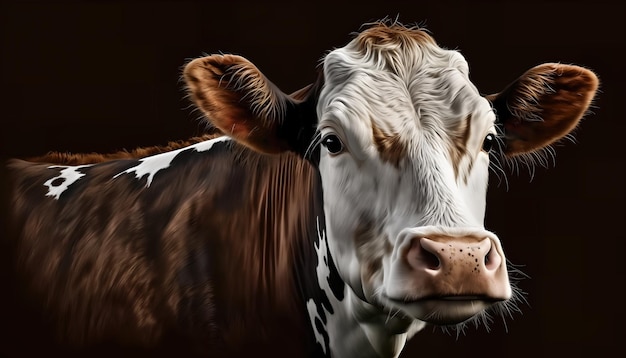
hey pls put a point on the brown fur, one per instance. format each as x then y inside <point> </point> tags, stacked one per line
<point>543,105</point>
<point>390,146</point>
<point>217,83</point>
<point>383,34</point>
<point>459,137</point>
<point>91,158</point>
<point>111,263</point>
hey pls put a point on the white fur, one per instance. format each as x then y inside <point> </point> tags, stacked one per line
<point>153,164</point>
<point>323,274</point>
<point>70,174</point>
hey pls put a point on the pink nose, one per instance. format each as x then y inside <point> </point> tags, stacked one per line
<point>457,266</point>
<point>444,256</point>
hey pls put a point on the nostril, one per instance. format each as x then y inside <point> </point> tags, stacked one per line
<point>430,260</point>
<point>492,259</point>
<point>427,255</point>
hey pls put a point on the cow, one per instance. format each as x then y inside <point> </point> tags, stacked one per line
<point>336,221</point>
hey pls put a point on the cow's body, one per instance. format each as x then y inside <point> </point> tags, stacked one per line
<point>341,249</point>
<point>175,260</point>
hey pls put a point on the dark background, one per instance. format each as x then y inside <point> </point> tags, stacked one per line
<point>102,76</point>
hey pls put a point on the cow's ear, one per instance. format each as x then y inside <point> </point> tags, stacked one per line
<point>238,99</point>
<point>543,105</point>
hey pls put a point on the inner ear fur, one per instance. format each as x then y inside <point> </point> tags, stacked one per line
<point>543,105</point>
<point>239,100</point>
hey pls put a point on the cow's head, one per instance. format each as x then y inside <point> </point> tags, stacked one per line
<point>406,141</point>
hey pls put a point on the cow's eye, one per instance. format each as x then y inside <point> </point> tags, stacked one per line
<point>333,144</point>
<point>488,142</point>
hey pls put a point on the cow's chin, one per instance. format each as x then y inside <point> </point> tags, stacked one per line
<point>445,310</point>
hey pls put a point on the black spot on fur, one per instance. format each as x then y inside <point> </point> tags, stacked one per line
<point>57,181</point>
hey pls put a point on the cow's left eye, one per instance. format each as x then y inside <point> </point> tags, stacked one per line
<point>488,142</point>
<point>333,144</point>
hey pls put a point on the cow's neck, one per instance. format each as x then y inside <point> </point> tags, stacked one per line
<point>363,330</point>
<point>343,324</point>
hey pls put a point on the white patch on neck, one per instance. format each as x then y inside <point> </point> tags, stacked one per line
<point>69,175</point>
<point>323,275</point>
<point>153,164</point>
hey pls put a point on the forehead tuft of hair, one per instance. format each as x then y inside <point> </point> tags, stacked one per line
<point>395,47</point>
<point>386,34</point>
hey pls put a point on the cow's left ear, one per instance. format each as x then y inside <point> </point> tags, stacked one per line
<point>543,105</point>
<point>238,99</point>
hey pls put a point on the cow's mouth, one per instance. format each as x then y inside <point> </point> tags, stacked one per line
<point>442,310</point>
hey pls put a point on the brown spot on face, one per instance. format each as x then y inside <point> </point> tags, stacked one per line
<point>458,148</point>
<point>390,146</point>
<point>370,246</point>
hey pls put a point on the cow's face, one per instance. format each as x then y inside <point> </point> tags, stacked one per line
<point>405,161</point>
<point>406,141</point>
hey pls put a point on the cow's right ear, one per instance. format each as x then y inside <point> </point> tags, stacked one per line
<point>238,99</point>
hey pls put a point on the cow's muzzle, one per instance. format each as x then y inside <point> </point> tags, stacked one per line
<point>446,275</point>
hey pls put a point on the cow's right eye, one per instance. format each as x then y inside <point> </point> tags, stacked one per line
<point>333,144</point>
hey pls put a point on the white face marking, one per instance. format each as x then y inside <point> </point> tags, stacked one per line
<point>420,95</point>
<point>153,164</point>
<point>66,177</point>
